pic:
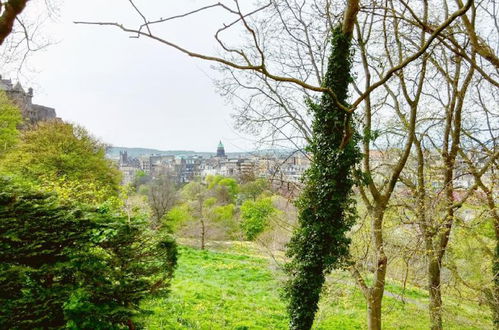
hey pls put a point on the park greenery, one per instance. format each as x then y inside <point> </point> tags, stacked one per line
<point>396,225</point>
<point>71,256</point>
<point>80,251</point>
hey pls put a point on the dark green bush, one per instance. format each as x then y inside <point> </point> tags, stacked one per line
<point>74,266</point>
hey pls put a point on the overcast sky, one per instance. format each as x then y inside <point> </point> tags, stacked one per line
<point>133,92</point>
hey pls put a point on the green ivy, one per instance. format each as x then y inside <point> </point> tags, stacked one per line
<point>326,207</point>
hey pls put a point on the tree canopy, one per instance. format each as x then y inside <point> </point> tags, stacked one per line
<point>65,158</point>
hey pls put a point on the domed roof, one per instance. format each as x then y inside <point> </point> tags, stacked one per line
<point>220,150</point>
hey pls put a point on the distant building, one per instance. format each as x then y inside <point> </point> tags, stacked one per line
<point>32,113</point>
<point>128,166</point>
<point>221,150</point>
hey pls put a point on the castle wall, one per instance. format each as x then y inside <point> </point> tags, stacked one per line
<point>32,113</point>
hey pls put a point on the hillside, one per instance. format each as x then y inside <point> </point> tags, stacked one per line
<point>234,286</point>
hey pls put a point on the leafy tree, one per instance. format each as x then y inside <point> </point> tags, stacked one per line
<point>177,216</point>
<point>71,266</point>
<point>255,216</point>
<point>140,179</point>
<point>253,189</point>
<point>10,119</point>
<point>61,157</point>
<point>130,262</point>
<point>225,188</point>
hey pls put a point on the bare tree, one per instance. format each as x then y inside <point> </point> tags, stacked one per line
<point>162,196</point>
<point>479,153</point>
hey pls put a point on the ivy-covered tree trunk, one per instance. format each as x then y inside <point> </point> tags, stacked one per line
<point>326,209</point>
<point>495,269</point>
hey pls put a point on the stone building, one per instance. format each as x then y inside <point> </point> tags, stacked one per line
<point>32,113</point>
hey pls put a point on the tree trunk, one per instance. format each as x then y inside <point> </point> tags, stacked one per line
<point>434,288</point>
<point>325,214</point>
<point>495,269</point>
<point>376,292</point>
<point>203,233</point>
<point>374,311</point>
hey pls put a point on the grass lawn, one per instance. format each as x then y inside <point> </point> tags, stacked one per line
<point>237,289</point>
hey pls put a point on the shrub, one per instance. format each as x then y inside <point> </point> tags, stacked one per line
<point>66,265</point>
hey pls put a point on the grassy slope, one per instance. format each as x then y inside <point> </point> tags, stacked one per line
<point>237,290</point>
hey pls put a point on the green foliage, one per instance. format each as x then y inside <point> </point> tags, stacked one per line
<point>224,212</point>
<point>193,191</point>
<point>64,158</point>
<point>129,263</point>
<point>255,216</point>
<point>253,189</point>
<point>139,182</point>
<point>10,119</point>
<point>226,189</point>
<point>65,265</point>
<point>326,209</point>
<point>176,217</point>
<point>38,241</point>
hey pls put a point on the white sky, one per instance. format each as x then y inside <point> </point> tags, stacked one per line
<point>134,92</point>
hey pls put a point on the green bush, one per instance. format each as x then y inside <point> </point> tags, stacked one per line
<point>66,265</point>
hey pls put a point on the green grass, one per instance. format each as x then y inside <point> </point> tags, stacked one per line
<point>214,290</point>
<point>237,289</point>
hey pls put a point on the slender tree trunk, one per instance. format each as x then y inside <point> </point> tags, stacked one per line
<point>434,289</point>
<point>495,270</point>
<point>203,233</point>
<point>374,311</point>
<point>375,300</point>
<point>201,221</point>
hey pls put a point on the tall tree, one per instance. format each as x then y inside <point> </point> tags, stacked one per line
<point>326,209</point>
